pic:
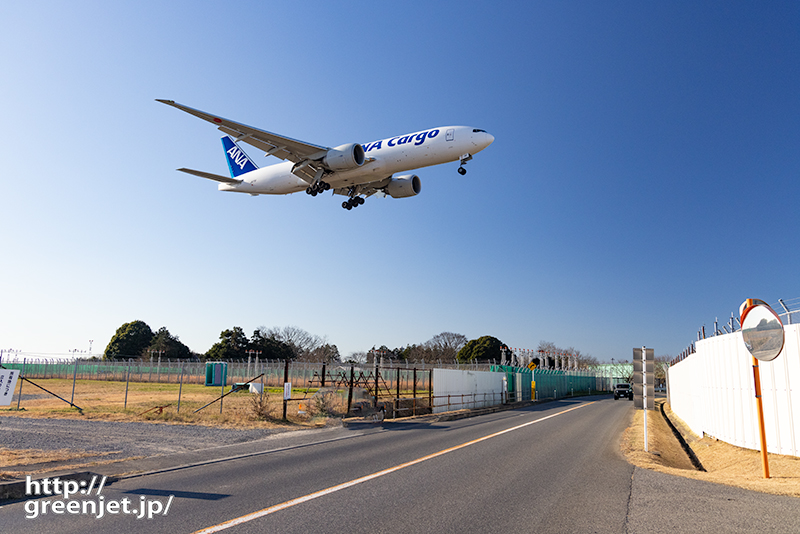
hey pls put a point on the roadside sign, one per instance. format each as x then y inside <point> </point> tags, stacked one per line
<point>8,383</point>
<point>531,366</point>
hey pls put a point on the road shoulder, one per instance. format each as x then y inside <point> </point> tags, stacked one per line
<point>723,463</point>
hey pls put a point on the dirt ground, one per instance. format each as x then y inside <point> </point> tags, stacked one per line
<point>723,463</point>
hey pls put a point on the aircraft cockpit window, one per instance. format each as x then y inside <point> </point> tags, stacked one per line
<point>476,130</point>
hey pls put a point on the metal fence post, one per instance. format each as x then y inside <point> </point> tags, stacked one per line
<point>430,389</point>
<point>180,390</point>
<point>375,401</point>
<point>222,390</point>
<point>74,376</point>
<point>285,380</point>
<point>20,383</point>
<point>415,392</point>
<point>127,381</point>
<point>350,389</point>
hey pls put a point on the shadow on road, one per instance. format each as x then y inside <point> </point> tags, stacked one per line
<point>180,494</point>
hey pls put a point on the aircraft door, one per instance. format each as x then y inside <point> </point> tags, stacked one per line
<point>450,134</point>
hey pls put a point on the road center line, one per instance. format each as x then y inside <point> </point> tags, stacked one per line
<point>333,489</point>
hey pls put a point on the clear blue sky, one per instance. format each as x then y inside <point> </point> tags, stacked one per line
<point>643,178</point>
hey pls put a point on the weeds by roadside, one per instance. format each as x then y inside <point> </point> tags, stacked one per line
<point>262,408</point>
<point>327,403</point>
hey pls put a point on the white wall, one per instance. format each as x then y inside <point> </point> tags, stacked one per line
<point>713,392</point>
<point>474,385</point>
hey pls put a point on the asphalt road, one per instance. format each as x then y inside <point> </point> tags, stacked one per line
<point>548,468</point>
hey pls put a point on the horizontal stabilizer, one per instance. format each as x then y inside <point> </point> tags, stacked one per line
<point>210,176</point>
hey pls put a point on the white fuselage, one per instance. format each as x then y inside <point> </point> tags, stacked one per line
<point>384,158</point>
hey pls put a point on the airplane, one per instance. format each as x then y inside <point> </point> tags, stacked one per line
<point>354,170</point>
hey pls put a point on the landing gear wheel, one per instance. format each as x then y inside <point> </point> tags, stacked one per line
<point>359,200</point>
<point>462,171</point>
<point>315,189</point>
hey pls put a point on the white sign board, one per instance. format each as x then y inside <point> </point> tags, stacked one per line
<point>287,391</point>
<point>8,382</point>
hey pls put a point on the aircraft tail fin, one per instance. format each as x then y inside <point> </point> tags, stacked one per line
<point>238,162</point>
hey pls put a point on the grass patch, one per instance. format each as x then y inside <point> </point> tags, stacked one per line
<point>724,463</point>
<point>21,459</point>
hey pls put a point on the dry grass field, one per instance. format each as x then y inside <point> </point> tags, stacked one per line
<point>159,403</point>
<point>724,463</point>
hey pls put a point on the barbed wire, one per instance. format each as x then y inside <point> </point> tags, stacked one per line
<point>785,308</point>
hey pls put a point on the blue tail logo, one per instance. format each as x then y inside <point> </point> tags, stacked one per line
<point>238,162</point>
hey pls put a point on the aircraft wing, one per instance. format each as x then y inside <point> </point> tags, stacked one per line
<point>367,189</point>
<point>211,176</point>
<point>273,144</point>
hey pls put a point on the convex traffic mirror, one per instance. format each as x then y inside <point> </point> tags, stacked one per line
<point>762,332</point>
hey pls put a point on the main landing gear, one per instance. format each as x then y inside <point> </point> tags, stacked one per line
<point>464,159</point>
<point>352,203</point>
<point>317,188</point>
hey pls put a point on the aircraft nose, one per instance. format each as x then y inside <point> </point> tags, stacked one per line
<point>485,139</point>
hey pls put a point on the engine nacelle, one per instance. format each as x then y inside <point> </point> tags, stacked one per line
<point>403,186</point>
<point>344,157</point>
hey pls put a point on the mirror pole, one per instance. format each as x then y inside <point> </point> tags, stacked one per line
<point>760,407</point>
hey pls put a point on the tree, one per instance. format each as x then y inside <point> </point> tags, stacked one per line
<point>413,353</point>
<point>270,347</point>
<point>129,341</point>
<point>445,346</point>
<point>357,357</point>
<point>581,361</point>
<point>168,345</point>
<point>232,345</point>
<point>303,344</point>
<point>483,349</point>
<point>550,353</point>
<point>661,365</point>
<point>326,353</point>
<point>622,370</point>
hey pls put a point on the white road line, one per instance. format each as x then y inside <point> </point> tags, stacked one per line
<point>345,485</point>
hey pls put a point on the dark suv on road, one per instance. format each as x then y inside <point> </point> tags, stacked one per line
<point>623,390</point>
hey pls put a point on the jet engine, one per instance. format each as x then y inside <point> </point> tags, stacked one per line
<point>403,186</point>
<point>344,157</point>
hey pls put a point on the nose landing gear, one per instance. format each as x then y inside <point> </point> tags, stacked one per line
<point>464,159</point>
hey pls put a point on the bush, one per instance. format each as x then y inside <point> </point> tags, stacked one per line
<point>326,402</point>
<point>261,408</point>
